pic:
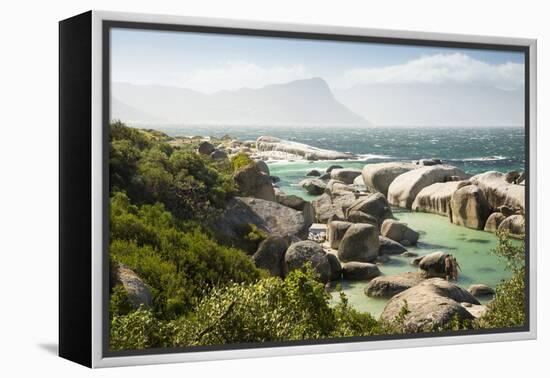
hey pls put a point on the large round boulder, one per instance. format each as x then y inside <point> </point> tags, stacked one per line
<point>481,290</point>
<point>262,166</point>
<point>390,247</point>
<point>328,208</point>
<point>374,205</point>
<point>398,231</point>
<point>360,243</point>
<point>469,207</point>
<point>307,251</point>
<point>388,286</point>
<point>403,190</point>
<point>270,255</point>
<point>252,182</point>
<point>218,155</point>
<point>436,198</point>
<point>313,186</point>
<point>432,304</point>
<point>269,217</point>
<point>335,267</point>
<point>346,175</point>
<point>514,224</point>
<point>379,176</point>
<point>206,148</point>
<point>137,291</point>
<point>335,232</point>
<point>296,203</point>
<point>500,192</point>
<point>313,173</point>
<point>494,221</point>
<point>433,264</point>
<point>358,271</point>
<point>360,217</point>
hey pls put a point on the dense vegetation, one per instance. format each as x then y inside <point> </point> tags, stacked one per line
<point>507,309</point>
<point>163,199</point>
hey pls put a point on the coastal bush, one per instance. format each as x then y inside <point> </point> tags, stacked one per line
<point>507,309</point>
<point>240,160</point>
<point>177,260</point>
<point>149,170</point>
<point>137,330</point>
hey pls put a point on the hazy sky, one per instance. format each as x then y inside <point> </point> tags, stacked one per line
<point>209,62</point>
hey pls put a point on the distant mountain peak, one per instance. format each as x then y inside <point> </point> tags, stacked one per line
<point>299,102</point>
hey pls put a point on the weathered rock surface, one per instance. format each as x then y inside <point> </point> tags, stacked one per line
<point>436,198</point>
<point>273,144</point>
<point>357,271</point>
<point>433,264</point>
<point>480,290</point>
<point>388,286</point>
<point>262,166</point>
<point>360,243</point>
<point>300,253</point>
<point>514,224</point>
<point>270,217</point>
<point>254,183</point>
<point>360,217</point>
<point>329,208</point>
<point>493,222</point>
<point>331,167</point>
<point>218,155</point>
<point>270,255</point>
<point>500,192</point>
<point>313,186</point>
<point>379,176</point>
<point>390,247</point>
<point>137,291</point>
<point>206,148</point>
<point>313,173</point>
<point>469,207</point>
<point>335,232</point>
<point>337,188</point>
<point>358,181</point>
<point>431,304</point>
<point>346,175</point>
<point>374,205</point>
<point>335,267</point>
<point>398,231</point>
<point>429,162</point>
<point>403,190</point>
<point>477,311</point>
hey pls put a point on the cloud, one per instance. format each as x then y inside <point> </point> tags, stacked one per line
<point>441,68</point>
<point>239,74</point>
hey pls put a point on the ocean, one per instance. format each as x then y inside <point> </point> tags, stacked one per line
<point>474,150</point>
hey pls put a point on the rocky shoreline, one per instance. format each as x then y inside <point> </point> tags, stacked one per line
<point>349,230</point>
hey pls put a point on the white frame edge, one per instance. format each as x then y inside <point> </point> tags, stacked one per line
<point>97,182</point>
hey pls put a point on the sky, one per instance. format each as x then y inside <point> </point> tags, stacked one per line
<point>209,62</point>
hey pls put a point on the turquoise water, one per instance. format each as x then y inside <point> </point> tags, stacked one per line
<point>470,247</point>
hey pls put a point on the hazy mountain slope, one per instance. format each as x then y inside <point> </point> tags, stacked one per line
<point>122,111</point>
<point>301,102</point>
<point>435,104</point>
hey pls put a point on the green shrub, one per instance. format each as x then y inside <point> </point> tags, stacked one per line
<point>137,330</point>
<point>119,303</point>
<point>240,160</point>
<point>179,264</point>
<point>507,309</point>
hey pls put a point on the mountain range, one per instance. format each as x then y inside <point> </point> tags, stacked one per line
<point>311,102</point>
<point>307,102</point>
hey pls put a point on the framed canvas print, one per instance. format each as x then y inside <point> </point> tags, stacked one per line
<point>234,189</point>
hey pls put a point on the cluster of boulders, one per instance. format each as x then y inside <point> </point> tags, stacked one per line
<point>430,300</point>
<point>488,201</point>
